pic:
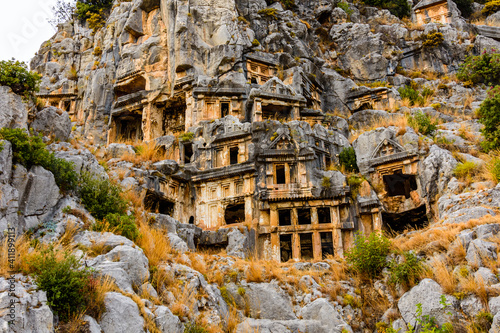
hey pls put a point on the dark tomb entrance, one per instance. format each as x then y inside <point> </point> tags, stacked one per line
<point>398,222</point>
<point>285,247</point>
<point>326,244</point>
<point>235,213</point>
<point>158,204</point>
<point>400,184</point>
<point>306,246</point>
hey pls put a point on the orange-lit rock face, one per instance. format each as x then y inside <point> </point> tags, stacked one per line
<point>436,12</point>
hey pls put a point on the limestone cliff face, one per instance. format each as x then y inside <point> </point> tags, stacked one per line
<point>154,48</point>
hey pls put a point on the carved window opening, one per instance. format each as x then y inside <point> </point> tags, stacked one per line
<point>324,215</point>
<point>398,222</point>
<point>328,162</point>
<point>326,244</point>
<point>276,112</point>
<point>286,247</point>
<point>280,174</point>
<point>344,213</point>
<point>173,121</point>
<point>224,109</point>
<point>400,184</point>
<point>191,220</point>
<point>284,217</point>
<point>306,246</point>
<point>235,213</point>
<point>239,187</point>
<point>188,152</point>
<point>254,80</point>
<point>233,155</point>
<point>66,105</point>
<point>157,204</point>
<point>129,128</point>
<point>54,103</point>
<point>304,216</point>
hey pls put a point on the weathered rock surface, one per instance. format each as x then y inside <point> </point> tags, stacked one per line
<point>121,315</point>
<point>52,121</point>
<point>13,112</point>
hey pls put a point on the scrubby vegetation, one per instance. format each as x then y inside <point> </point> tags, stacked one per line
<point>415,97</point>
<point>15,74</point>
<point>30,150</point>
<point>406,271</point>
<point>484,68</point>
<point>491,7</point>
<point>347,159</point>
<point>122,223</point>
<point>432,39</point>
<point>489,116</point>
<point>368,254</point>
<point>422,123</point>
<point>85,8</point>
<point>69,288</point>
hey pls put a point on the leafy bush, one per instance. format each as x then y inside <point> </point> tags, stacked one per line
<point>30,150</point>
<point>100,196</point>
<point>355,182</point>
<point>67,287</point>
<point>187,136</point>
<point>16,75</point>
<point>494,169</point>
<point>345,7</point>
<point>491,7</point>
<point>399,8</point>
<point>484,68</point>
<point>466,170</point>
<point>482,322</point>
<point>347,158</point>
<point>405,273</point>
<point>412,93</point>
<point>422,123</point>
<point>122,223</point>
<point>325,182</point>
<point>85,8</point>
<point>489,116</point>
<point>63,12</point>
<point>368,254</point>
<point>432,39</point>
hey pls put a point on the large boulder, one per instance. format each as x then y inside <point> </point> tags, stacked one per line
<point>167,322</point>
<point>13,112</point>
<point>121,315</point>
<point>436,171</point>
<point>282,326</point>
<point>52,121</point>
<point>83,160</point>
<point>117,150</point>
<point>5,161</point>
<point>321,310</point>
<point>429,294</point>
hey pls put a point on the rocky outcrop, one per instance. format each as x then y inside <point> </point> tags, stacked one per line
<point>121,315</point>
<point>52,121</point>
<point>13,112</point>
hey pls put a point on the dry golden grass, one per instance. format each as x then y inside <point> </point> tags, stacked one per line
<point>232,320</point>
<point>253,272</point>
<point>101,286</point>
<point>75,324</point>
<point>154,242</point>
<point>184,301</point>
<point>443,275</point>
<point>419,241</point>
<point>476,286</point>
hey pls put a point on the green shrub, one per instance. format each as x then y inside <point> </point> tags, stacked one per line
<point>465,170</point>
<point>399,8</point>
<point>194,328</point>
<point>100,196</point>
<point>85,8</point>
<point>347,158</point>
<point>422,123</point>
<point>355,182</point>
<point>345,7</point>
<point>484,68</point>
<point>491,7</point>
<point>368,254</point>
<point>121,223</point>
<point>432,39</point>
<point>67,286</point>
<point>489,116</point>
<point>16,75</point>
<point>325,182</point>
<point>187,136</point>
<point>30,150</point>
<point>412,93</point>
<point>482,322</point>
<point>405,273</point>
<point>494,169</point>
<point>428,324</point>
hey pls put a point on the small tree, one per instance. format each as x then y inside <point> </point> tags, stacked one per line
<point>489,116</point>
<point>347,158</point>
<point>368,255</point>
<point>16,75</point>
<point>63,11</point>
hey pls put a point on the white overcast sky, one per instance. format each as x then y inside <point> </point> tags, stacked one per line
<point>24,27</point>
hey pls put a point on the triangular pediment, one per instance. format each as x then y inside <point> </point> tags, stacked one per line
<point>276,86</point>
<point>282,142</point>
<point>387,147</point>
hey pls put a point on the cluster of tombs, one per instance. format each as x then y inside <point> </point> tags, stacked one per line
<point>242,164</point>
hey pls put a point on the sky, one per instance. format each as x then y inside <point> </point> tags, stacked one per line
<point>24,27</point>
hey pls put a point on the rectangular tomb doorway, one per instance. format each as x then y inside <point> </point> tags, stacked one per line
<point>285,247</point>
<point>306,246</point>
